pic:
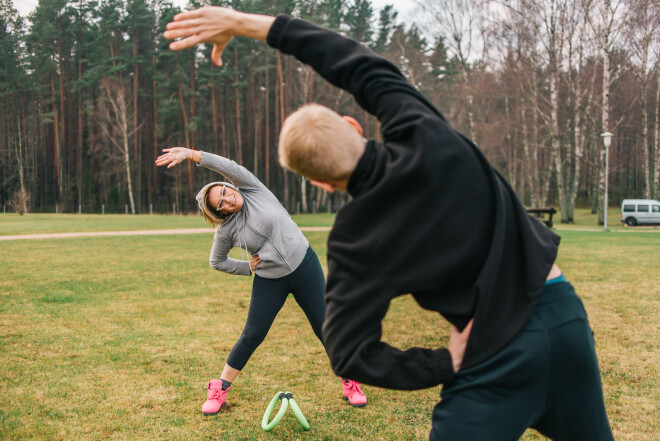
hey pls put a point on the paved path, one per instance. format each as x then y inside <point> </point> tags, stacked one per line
<point>127,233</point>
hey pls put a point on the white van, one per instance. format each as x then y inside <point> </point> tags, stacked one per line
<point>640,212</point>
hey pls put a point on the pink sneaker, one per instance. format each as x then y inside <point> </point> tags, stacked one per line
<point>215,398</point>
<point>353,393</point>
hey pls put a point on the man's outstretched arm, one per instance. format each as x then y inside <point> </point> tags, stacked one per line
<point>352,336</point>
<point>376,83</point>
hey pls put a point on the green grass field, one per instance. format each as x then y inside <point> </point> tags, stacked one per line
<point>116,338</point>
<point>13,224</point>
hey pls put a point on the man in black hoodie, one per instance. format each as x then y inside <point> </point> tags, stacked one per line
<point>430,217</point>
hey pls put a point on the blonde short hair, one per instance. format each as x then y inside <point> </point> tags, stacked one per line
<point>318,144</point>
<point>210,215</point>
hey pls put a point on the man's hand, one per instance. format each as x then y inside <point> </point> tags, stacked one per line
<point>457,344</point>
<point>176,155</point>
<point>254,262</point>
<point>215,25</point>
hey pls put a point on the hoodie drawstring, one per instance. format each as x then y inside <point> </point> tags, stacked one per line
<point>244,244</point>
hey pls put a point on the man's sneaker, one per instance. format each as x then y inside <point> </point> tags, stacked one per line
<point>215,398</point>
<point>353,393</point>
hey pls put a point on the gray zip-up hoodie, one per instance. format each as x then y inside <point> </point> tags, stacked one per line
<point>262,226</point>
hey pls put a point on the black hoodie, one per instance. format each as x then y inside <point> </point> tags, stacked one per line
<point>429,216</point>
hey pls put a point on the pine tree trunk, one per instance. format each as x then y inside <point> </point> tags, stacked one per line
<point>61,78</point>
<point>56,141</point>
<point>280,80</point>
<point>214,113</point>
<point>237,104</point>
<point>154,109</point>
<point>185,127</point>
<point>267,128</point>
<point>193,103</point>
<point>24,125</point>
<point>136,147</point>
<point>79,140</point>
<point>223,123</point>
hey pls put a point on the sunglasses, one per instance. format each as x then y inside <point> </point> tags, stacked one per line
<point>222,198</point>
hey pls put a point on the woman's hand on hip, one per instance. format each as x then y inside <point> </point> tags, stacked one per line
<point>457,344</point>
<point>177,155</point>
<point>254,262</point>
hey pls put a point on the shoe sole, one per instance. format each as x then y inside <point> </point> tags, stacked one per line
<point>214,413</point>
<point>354,405</point>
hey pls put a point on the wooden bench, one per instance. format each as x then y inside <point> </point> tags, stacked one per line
<point>540,213</point>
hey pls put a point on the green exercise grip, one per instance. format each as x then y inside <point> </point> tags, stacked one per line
<point>268,426</point>
<point>287,399</point>
<point>297,412</point>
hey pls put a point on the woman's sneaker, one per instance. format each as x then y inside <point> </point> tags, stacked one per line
<point>353,393</point>
<point>215,398</point>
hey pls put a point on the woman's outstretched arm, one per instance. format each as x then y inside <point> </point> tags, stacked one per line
<point>177,155</point>
<point>235,173</point>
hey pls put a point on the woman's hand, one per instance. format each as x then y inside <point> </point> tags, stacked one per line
<point>215,25</point>
<point>177,155</point>
<point>254,262</point>
<point>457,344</point>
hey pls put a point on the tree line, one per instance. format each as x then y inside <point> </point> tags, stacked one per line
<point>90,94</point>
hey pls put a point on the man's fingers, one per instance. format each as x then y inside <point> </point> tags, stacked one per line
<point>185,43</point>
<point>187,15</point>
<point>176,25</point>
<point>180,33</point>
<point>216,53</point>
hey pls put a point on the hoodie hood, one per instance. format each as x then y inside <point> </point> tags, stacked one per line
<point>200,195</point>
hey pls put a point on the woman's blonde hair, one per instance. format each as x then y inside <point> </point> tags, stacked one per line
<point>317,143</point>
<point>210,215</point>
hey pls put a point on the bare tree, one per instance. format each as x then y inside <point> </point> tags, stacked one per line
<point>642,32</point>
<point>462,24</point>
<point>580,94</point>
<point>545,33</point>
<point>607,19</point>
<point>115,124</point>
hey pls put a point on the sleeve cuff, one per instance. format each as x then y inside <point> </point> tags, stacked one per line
<point>201,161</point>
<point>445,367</point>
<point>276,28</point>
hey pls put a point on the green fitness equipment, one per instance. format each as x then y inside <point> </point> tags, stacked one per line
<point>287,400</point>
<point>297,412</point>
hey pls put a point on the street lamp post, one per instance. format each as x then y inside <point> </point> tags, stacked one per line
<point>607,140</point>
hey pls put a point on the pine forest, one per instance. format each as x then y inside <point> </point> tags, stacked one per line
<point>90,94</point>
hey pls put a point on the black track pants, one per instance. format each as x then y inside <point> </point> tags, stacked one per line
<point>547,378</point>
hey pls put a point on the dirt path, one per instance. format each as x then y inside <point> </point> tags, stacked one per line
<point>207,230</point>
<point>127,233</point>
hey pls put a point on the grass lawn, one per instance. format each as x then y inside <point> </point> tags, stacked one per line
<point>12,224</point>
<point>116,338</point>
<point>39,223</point>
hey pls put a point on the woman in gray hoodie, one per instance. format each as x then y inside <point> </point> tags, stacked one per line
<point>247,215</point>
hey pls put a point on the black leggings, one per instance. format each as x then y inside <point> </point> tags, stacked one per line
<point>306,283</point>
